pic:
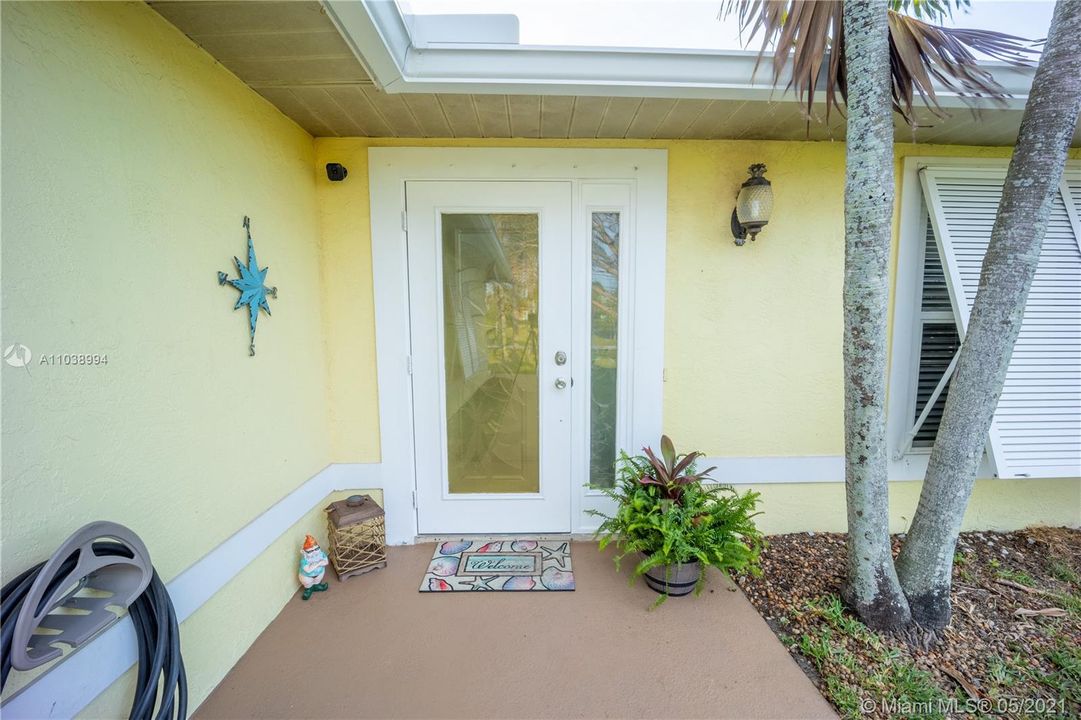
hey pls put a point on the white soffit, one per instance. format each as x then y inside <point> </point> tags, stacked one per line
<point>413,54</point>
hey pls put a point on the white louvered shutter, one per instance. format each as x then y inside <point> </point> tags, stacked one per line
<point>1036,431</point>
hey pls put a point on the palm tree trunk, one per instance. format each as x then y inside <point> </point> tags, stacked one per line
<point>872,589</point>
<point>1051,114</point>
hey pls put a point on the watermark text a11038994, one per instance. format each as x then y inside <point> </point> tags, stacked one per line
<point>20,356</point>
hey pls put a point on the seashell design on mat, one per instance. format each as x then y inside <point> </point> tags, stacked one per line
<point>443,566</point>
<point>454,548</point>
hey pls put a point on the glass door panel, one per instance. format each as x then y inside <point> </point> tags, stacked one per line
<point>490,323</point>
<point>604,327</point>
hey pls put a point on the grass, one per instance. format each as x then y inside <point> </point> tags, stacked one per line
<point>844,697</point>
<point>1070,602</point>
<point>1061,571</point>
<point>1005,673</point>
<point>1064,680</point>
<point>856,663</point>
<point>1017,577</point>
<point>1038,659</point>
<point>1007,677</point>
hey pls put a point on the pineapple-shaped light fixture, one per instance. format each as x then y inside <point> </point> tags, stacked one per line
<point>754,204</point>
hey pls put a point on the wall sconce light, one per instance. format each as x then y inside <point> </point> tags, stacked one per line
<point>754,204</point>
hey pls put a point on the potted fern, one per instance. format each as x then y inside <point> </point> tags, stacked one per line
<point>676,524</point>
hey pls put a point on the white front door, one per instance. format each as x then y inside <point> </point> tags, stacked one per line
<point>491,331</point>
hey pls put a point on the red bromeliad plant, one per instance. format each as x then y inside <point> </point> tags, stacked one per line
<point>674,472</point>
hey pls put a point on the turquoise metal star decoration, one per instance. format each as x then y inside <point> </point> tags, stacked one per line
<point>249,282</point>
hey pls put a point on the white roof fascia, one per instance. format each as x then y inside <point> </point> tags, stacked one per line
<point>441,30</point>
<point>377,35</point>
<point>399,66</point>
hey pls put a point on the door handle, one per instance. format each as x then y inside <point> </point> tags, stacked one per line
<point>560,383</point>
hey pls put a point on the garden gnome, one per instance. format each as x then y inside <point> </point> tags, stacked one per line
<point>312,562</point>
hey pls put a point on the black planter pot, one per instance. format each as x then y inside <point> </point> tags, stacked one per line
<point>674,580</point>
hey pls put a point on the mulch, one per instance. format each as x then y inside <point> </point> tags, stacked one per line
<point>997,622</point>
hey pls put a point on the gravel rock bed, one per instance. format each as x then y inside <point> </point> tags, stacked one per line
<point>1013,647</point>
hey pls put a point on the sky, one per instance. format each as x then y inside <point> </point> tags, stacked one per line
<point>685,24</point>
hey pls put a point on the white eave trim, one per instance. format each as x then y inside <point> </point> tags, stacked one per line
<point>379,36</point>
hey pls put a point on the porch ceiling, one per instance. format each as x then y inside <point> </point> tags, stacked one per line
<point>292,54</point>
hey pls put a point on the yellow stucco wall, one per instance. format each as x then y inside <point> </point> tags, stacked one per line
<point>718,294</point>
<point>129,159</point>
<point>995,505</point>
<point>765,320</point>
<point>125,182</point>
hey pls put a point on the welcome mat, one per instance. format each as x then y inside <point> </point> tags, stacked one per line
<point>499,565</point>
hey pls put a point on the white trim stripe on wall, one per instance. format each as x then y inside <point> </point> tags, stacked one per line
<point>64,690</point>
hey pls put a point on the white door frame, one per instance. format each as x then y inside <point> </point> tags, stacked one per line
<point>643,176</point>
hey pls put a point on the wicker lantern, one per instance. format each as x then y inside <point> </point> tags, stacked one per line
<point>358,536</point>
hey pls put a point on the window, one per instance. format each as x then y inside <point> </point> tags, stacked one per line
<point>603,355</point>
<point>1036,431</point>
<point>939,344</point>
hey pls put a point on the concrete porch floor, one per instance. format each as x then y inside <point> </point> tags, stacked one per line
<point>374,647</point>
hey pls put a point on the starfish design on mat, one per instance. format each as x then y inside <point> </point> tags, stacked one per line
<point>558,555</point>
<point>483,583</point>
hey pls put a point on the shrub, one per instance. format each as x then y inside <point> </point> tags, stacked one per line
<point>666,511</point>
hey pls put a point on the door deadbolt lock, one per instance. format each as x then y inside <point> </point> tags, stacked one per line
<point>560,383</point>
<point>561,358</point>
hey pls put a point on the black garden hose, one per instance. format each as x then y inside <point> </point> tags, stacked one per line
<point>156,629</point>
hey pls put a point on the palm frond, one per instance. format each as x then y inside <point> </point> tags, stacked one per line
<point>930,9</point>
<point>807,36</point>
